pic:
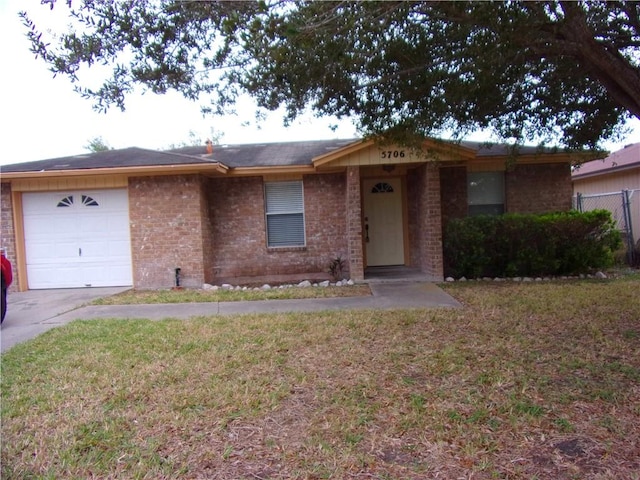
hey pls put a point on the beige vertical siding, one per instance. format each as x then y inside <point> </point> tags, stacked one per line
<point>615,182</point>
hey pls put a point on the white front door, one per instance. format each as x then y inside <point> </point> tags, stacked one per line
<point>383,227</point>
<point>77,239</point>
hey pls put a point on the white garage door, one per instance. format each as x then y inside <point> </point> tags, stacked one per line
<point>77,239</point>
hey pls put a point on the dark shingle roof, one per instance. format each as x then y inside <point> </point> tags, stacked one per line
<point>233,156</point>
<point>486,149</point>
<point>268,154</point>
<point>126,157</point>
<point>247,155</point>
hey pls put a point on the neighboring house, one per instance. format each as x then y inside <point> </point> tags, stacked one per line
<point>254,213</point>
<point>601,182</point>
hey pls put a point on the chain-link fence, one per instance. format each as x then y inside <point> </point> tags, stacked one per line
<point>620,206</point>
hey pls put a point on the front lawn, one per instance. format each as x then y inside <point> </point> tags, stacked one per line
<point>536,380</point>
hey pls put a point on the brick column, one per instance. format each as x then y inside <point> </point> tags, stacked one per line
<point>425,220</point>
<point>354,224</point>
<point>433,223</point>
<point>8,234</point>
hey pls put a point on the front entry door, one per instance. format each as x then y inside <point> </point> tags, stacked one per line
<point>383,228</point>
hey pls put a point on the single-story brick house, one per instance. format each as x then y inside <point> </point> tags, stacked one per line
<point>259,212</point>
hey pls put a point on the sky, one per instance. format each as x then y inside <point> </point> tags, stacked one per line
<point>42,117</point>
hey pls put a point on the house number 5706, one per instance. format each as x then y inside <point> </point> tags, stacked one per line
<point>392,154</point>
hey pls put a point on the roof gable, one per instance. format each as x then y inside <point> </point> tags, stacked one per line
<point>370,152</point>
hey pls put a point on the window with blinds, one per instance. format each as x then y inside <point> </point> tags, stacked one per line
<point>284,205</point>
<point>485,192</point>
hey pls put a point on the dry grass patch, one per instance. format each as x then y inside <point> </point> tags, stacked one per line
<point>525,381</point>
<point>136,297</point>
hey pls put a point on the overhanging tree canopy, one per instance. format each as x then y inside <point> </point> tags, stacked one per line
<point>529,71</point>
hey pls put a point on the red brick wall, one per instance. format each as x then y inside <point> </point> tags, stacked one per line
<point>326,219</point>
<point>208,239</point>
<point>415,187</point>
<point>528,189</point>
<point>237,222</point>
<point>538,188</point>
<point>453,193</point>
<point>353,210</point>
<point>425,222</point>
<point>239,231</point>
<point>433,222</point>
<point>167,230</point>
<point>7,231</point>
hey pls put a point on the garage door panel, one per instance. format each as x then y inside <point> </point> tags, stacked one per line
<point>77,238</point>
<point>95,275</point>
<point>94,225</point>
<point>95,251</point>
<point>120,271</point>
<point>43,225</point>
<point>116,224</point>
<point>41,253</point>
<point>41,203</point>
<point>104,223</point>
<point>120,250</point>
<point>65,277</point>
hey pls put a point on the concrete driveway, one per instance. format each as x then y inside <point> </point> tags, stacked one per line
<point>34,312</point>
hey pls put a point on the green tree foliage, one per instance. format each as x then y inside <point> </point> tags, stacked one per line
<point>97,144</point>
<point>551,71</point>
<point>196,140</point>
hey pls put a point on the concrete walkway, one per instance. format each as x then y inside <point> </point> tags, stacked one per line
<point>36,311</point>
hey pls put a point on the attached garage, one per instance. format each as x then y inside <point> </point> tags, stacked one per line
<point>77,239</point>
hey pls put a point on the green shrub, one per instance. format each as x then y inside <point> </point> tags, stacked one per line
<point>530,245</point>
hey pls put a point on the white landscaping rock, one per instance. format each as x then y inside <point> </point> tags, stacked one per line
<point>449,279</point>
<point>266,286</point>
<point>601,275</point>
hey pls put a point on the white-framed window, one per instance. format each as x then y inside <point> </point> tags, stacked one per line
<point>284,211</point>
<point>485,193</point>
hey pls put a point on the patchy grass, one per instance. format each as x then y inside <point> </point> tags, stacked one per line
<point>526,381</point>
<point>136,297</point>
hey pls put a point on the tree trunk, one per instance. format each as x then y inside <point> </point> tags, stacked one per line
<point>617,75</point>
